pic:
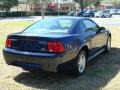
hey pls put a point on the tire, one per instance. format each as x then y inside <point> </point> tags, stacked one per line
<point>108,45</point>
<point>103,16</point>
<point>110,16</point>
<point>80,63</point>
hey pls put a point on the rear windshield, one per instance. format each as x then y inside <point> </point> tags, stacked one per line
<point>51,25</point>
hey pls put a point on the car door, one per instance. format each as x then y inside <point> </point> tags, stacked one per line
<point>97,39</point>
<point>106,14</point>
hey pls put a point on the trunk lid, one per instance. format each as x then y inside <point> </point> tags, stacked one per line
<point>33,42</point>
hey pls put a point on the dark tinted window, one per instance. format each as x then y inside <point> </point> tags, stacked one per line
<point>80,28</point>
<point>90,25</point>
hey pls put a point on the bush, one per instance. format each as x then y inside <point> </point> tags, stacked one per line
<point>23,13</point>
<point>17,14</point>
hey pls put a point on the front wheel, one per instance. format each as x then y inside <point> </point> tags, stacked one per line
<point>108,45</point>
<point>110,16</point>
<point>103,16</point>
<point>81,63</point>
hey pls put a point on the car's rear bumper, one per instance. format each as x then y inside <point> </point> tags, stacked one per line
<point>48,62</point>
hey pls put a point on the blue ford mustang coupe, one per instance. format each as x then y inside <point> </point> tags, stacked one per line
<point>57,44</point>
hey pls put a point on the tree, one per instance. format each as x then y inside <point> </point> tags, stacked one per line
<point>40,1</point>
<point>97,3</point>
<point>7,4</point>
<point>85,3</point>
<point>115,3</point>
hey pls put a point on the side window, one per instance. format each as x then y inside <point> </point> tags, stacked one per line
<point>90,25</point>
<point>80,28</point>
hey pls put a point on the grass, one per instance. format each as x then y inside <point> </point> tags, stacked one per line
<point>102,73</point>
<point>11,27</point>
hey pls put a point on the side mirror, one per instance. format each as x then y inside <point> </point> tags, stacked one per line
<point>101,28</point>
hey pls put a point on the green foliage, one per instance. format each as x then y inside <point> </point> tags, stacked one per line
<point>35,1</point>
<point>97,3</point>
<point>7,4</point>
<point>85,3</point>
<point>38,1</point>
<point>115,2</point>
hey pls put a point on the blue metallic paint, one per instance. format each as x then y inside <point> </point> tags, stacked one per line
<point>73,42</point>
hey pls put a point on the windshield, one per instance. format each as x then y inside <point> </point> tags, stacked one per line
<point>87,11</point>
<point>51,25</point>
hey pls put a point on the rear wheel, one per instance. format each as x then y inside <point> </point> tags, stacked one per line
<point>81,63</point>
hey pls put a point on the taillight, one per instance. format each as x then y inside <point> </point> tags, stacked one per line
<point>8,42</point>
<point>56,47</point>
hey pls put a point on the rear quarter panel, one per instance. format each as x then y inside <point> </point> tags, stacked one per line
<point>73,44</point>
